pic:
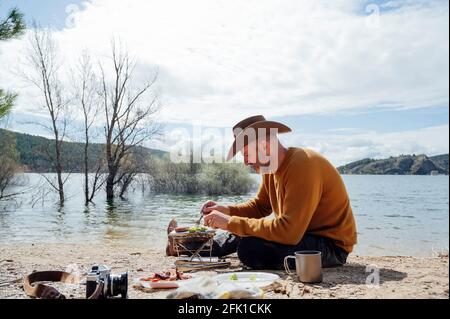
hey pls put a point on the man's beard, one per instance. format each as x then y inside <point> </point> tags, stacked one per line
<point>257,168</point>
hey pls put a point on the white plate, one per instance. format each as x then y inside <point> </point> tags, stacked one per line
<point>165,284</point>
<point>261,279</point>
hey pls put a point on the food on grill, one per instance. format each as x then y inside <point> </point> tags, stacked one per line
<point>194,229</point>
<point>197,229</point>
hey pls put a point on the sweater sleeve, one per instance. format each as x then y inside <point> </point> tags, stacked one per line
<point>303,189</point>
<point>257,207</point>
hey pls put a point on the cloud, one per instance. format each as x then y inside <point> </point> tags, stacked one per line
<point>340,147</point>
<point>222,60</point>
<point>347,146</point>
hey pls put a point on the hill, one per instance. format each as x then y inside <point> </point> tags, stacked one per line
<point>34,152</point>
<point>400,165</point>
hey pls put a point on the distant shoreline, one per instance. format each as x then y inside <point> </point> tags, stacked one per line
<point>343,174</point>
<point>399,165</point>
<point>27,146</point>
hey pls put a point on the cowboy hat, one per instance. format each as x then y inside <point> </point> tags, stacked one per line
<point>241,132</point>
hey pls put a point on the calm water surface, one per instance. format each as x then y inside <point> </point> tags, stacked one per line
<point>395,215</point>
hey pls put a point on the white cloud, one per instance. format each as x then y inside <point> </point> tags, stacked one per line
<point>339,146</point>
<point>351,146</point>
<point>222,60</point>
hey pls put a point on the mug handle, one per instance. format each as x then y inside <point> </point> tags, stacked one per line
<point>286,264</point>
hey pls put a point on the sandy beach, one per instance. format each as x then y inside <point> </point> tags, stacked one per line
<point>399,277</point>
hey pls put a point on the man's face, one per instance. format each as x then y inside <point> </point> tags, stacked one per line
<point>251,156</point>
<point>258,155</point>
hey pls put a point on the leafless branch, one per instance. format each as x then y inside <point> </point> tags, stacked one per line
<point>43,58</point>
<point>128,113</point>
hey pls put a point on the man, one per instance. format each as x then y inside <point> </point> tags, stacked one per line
<point>304,190</point>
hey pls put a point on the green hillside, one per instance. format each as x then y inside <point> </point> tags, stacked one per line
<point>35,151</point>
<point>400,165</point>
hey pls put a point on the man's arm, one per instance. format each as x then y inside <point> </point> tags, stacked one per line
<point>303,191</point>
<point>257,207</point>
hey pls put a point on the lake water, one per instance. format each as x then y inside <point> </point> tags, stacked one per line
<point>395,215</point>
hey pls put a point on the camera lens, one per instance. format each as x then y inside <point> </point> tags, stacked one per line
<point>119,285</point>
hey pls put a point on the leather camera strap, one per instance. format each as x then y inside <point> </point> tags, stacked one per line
<point>33,287</point>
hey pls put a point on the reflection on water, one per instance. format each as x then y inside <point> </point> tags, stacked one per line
<point>396,215</point>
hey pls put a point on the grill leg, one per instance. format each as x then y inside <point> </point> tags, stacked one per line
<point>178,246</point>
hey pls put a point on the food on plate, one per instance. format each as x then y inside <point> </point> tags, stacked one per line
<point>234,277</point>
<point>171,275</point>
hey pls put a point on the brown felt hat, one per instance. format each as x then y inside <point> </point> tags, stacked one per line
<point>241,130</point>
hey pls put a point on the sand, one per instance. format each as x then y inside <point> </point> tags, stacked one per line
<point>399,277</point>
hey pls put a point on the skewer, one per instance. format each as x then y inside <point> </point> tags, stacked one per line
<point>197,223</point>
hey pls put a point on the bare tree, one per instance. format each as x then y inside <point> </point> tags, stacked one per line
<point>43,58</point>
<point>128,114</point>
<point>135,164</point>
<point>86,96</point>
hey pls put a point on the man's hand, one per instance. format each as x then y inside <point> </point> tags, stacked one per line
<point>216,219</point>
<point>210,206</point>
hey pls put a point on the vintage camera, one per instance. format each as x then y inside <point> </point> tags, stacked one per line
<point>113,285</point>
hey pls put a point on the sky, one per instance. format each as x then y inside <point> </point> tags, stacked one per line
<point>352,78</point>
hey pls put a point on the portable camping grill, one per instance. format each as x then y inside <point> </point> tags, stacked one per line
<point>193,244</point>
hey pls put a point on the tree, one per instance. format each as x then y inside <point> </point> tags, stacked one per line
<point>44,60</point>
<point>128,115</point>
<point>12,26</point>
<point>86,96</point>
<point>134,164</point>
<point>6,102</point>
<point>8,160</point>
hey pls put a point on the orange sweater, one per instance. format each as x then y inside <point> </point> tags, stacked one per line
<point>307,195</point>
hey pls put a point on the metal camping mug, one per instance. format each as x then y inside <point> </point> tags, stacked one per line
<point>308,264</point>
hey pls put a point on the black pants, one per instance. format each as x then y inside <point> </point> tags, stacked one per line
<point>258,253</point>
